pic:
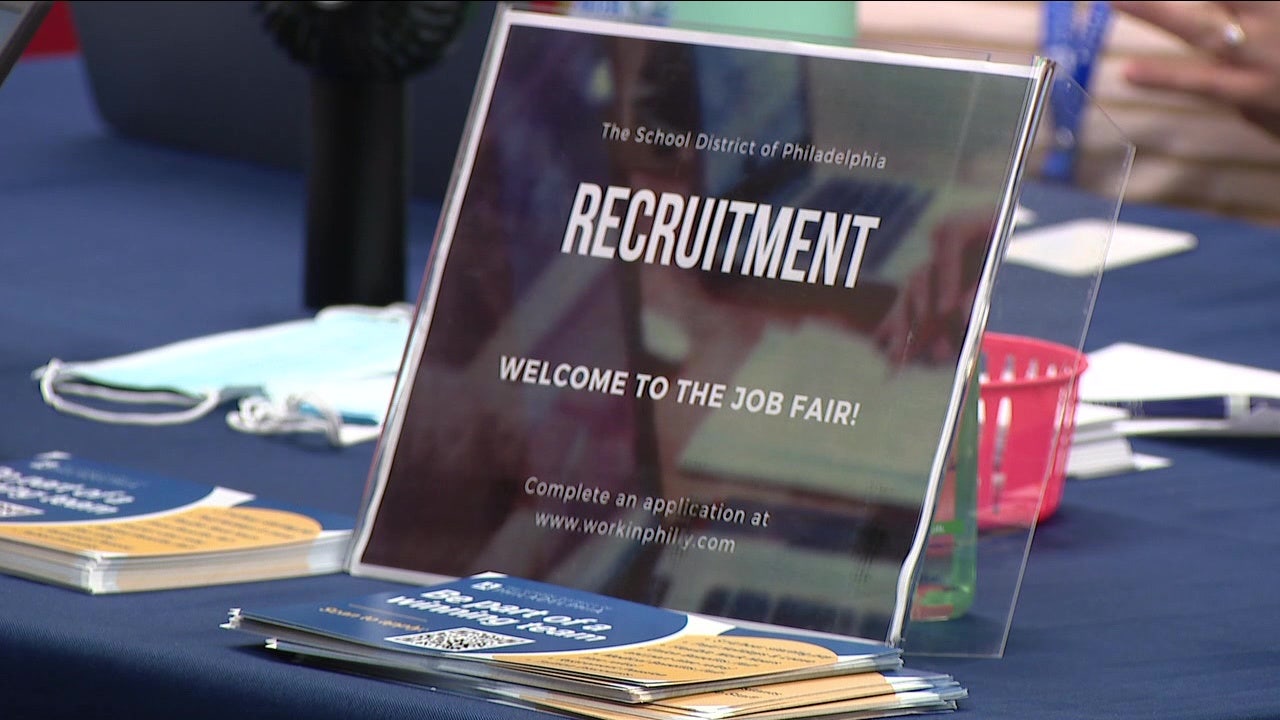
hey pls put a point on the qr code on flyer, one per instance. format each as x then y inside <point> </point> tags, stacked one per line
<point>10,510</point>
<point>458,640</point>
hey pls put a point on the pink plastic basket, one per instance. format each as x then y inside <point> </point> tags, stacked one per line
<point>1027,418</point>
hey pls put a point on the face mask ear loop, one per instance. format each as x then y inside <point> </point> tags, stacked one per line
<point>332,418</point>
<point>259,416</point>
<point>50,388</point>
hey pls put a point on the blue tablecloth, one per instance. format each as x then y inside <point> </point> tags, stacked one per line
<point>1148,595</point>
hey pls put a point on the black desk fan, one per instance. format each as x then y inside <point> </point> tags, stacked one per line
<point>360,55</point>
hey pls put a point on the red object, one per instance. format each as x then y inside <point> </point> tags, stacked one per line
<point>1027,418</point>
<point>57,33</point>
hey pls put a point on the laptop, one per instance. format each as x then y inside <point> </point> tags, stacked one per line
<point>18,22</point>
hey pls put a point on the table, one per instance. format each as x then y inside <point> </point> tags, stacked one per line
<point>1150,594</point>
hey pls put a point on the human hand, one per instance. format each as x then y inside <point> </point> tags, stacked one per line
<point>931,314</point>
<point>1239,62</point>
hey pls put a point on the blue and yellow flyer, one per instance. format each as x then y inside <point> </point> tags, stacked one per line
<point>529,633</point>
<point>107,529</point>
<point>699,320</point>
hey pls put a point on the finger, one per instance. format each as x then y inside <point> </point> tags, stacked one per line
<point>891,341</point>
<point>920,318</point>
<point>899,329</point>
<point>894,333</point>
<point>945,266</point>
<point>1232,85</point>
<point>943,351</point>
<point>958,246</point>
<point>1249,7</point>
<point>889,330</point>
<point>1267,119</point>
<point>1198,24</point>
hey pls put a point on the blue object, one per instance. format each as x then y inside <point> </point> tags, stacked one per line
<point>1216,407</point>
<point>1074,33</point>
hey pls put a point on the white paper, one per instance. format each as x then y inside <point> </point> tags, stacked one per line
<point>1127,371</point>
<point>1130,373</point>
<point>1074,248</point>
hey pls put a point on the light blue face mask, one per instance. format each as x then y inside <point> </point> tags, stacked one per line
<point>339,366</point>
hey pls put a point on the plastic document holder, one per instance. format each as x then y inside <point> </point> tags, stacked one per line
<point>720,323</point>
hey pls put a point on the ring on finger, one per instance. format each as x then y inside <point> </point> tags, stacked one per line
<point>1233,35</point>
<point>1231,39</point>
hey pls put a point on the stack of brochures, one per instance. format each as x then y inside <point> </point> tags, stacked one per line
<point>105,529</point>
<point>596,656</point>
<point>1100,447</point>
<point>1134,390</point>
